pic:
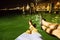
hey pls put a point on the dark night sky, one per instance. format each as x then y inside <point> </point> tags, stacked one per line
<point>14,3</point>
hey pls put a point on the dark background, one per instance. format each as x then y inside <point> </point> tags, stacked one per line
<point>14,3</point>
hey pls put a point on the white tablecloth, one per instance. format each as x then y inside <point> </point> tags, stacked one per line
<point>34,36</point>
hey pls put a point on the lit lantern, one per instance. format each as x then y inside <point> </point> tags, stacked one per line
<point>27,8</point>
<point>48,8</point>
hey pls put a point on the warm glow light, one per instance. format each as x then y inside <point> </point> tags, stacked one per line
<point>23,9</point>
<point>55,7</point>
<point>27,7</point>
<point>43,7</point>
<point>58,3</point>
<point>48,7</point>
<point>4,9</point>
<point>11,9</point>
<point>17,7</point>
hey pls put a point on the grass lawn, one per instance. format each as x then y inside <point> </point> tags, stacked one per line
<point>12,27</point>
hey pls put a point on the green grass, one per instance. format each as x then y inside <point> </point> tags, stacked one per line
<point>12,27</point>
